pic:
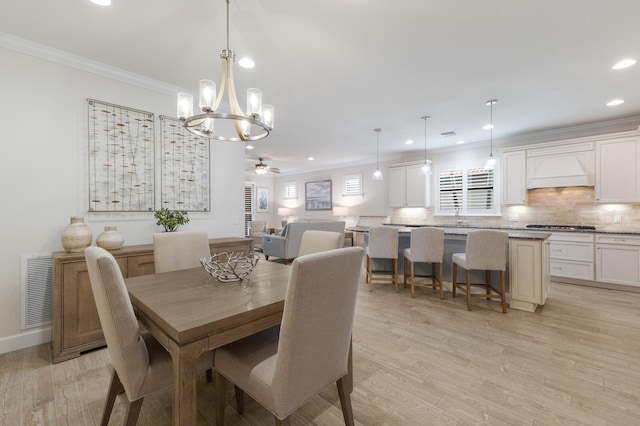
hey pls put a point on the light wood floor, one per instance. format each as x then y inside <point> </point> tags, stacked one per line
<point>417,361</point>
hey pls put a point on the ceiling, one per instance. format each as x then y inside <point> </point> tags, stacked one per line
<point>337,69</point>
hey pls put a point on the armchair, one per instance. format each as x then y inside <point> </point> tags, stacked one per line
<point>287,245</point>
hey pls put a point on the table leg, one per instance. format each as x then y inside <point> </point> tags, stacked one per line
<point>185,370</point>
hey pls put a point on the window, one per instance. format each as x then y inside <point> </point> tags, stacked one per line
<point>352,185</point>
<point>469,191</point>
<point>248,207</point>
<point>290,190</point>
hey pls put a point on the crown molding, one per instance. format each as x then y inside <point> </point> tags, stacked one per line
<point>48,53</point>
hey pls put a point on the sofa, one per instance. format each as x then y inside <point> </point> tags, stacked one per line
<point>287,245</point>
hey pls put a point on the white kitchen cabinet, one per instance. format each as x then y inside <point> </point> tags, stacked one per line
<point>568,164</point>
<point>617,173</point>
<point>572,255</point>
<point>618,259</point>
<point>514,178</point>
<point>407,187</point>
<point>529,276</point>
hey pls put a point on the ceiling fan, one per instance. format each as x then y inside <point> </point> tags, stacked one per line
<point>262,168</point>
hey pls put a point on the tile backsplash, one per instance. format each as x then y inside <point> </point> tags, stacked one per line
<point>556,206</point>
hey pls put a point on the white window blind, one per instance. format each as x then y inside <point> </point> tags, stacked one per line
<point>352,184</point>
<point>450,190</point>
<point>290,190</point>
<point>248,208</point>
<point>479,189</point>
<point>466,191</point>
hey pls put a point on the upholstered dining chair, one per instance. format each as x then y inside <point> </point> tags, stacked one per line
<point>282,371</point>
<point>316,241</point>
<point>173,251</point>
<point>486,250</point>
<point>426,246</point>
<point>383,244</point>
<point>141,365</point>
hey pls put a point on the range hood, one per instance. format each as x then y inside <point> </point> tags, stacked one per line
<point>554,169</point>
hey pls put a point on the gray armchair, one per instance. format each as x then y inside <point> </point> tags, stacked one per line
<point>287,245</point>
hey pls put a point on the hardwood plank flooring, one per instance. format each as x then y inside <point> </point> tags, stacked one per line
<point>421,361</point>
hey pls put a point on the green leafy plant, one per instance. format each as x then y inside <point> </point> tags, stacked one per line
<point>171,219</point>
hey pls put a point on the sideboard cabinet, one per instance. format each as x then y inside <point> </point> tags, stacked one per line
<point>76,326</point>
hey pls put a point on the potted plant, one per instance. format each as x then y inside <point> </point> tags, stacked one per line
<point>170,219</point>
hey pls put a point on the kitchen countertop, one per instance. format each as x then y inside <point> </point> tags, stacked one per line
<point>517,228</point>
<point>521,234</point>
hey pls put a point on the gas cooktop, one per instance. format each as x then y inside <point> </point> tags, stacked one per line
<point>563,227</point>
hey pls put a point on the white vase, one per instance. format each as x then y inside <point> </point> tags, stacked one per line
<point>110,238</point>
<point>76,236</point>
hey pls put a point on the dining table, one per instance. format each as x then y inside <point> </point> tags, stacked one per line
<point>190,312</point>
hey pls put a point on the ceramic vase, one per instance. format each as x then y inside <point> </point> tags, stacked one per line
<point>76,236</point>
<point>110,239</point>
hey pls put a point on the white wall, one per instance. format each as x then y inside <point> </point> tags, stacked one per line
<point>43,171</point>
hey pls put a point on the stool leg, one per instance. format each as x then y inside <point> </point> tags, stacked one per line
<point>468,274</point>
<point>502,285</point>
<point>454,278</point>
<point>487,278</point>
<point>413,280</point>
<point>440,280</point>
<point>395,273</point>
<point>404,271</point>
<point>369,278</point>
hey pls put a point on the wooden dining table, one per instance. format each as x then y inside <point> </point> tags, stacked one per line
<point>189,313</point>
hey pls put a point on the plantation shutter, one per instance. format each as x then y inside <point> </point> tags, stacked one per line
<point>479,189</point>
<point>248,208</point>
<point>450,190</point>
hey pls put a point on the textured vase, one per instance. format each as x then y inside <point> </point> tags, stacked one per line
<point>110,239</point>
<point>76,235</point>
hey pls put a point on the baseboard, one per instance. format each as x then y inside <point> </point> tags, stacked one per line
<point>25,340</point>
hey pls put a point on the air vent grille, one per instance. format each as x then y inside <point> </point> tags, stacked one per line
<point>37,286</point>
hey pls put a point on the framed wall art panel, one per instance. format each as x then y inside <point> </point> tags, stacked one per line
<point>317,195</point>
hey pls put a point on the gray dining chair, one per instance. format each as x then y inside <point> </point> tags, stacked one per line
<point>485,250</point>
<point>173,251</point>
<point>284,369</point>
<point>316,241</point>
<point>383,245</point>
<point>426,246</point>
<point>140,364</point>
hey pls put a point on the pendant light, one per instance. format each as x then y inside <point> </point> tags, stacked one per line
<point>377,175</point>
<point>426,168</point>
<point>491,161</point>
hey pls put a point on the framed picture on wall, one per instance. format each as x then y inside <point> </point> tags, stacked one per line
<point>317,195</point>
<point>262,199</point>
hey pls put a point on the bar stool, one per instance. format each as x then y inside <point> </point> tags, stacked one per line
<point>485,250</point>
<point>383,244</point>
<point>426,246</point>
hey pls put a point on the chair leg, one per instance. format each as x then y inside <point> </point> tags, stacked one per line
<point>487,277</point>
<point>433,275</point>
<point>413,280</point>
<point>115,389</point>
<point>502,292</point>
<point>404,271</point>
<point>345,402</point>
<point>440,278</point>
<point>239,400</point>
<point>395,273</point>
<point>133,411</point>
<point>454,278</point>
<point>219,400</point>
<point>468,275</point>
<point>369,278</point>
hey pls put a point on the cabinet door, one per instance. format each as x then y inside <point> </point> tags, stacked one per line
<point>618,264</point>
<point>415,190</point>
<point>140,265</point>
<point>617,175</point>
<point>397,186</point>
<point>514,178</point>
<point>526,274</point>
<point>80,321</point>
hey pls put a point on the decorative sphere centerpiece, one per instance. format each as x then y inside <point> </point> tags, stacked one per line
<point>229,267</point>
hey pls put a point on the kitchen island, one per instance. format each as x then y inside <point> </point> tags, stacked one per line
<point>528,275</point>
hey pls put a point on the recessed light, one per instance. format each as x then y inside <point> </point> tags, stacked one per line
<point>488,126</point>
<point>409,142</point>
<point>625,63</point>
<point>102,2</point>
<point>310,158</point>
<point>459,142</point>
<point>246,63</point>
<point>615,102</point>
<point>249,147</point>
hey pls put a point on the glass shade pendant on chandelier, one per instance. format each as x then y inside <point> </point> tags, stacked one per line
<point>491,161</point>
<point>425,170</point>
<point>235,125</point>
<point>377,175</point>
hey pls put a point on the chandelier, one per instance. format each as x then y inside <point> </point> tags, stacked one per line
<point>234,125</point>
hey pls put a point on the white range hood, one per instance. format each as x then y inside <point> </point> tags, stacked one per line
<point>561,166</point>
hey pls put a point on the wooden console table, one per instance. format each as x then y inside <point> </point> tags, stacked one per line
<point>76,326</point>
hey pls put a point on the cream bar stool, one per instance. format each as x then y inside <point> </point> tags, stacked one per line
<point>426,246</point>
<point>383,244</point>
<point>485,251</point>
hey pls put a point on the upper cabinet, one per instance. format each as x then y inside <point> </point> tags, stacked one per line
<point>562,165</point>
<point>514,180</point>
<point>408,187</point>
<point>617,174</point>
